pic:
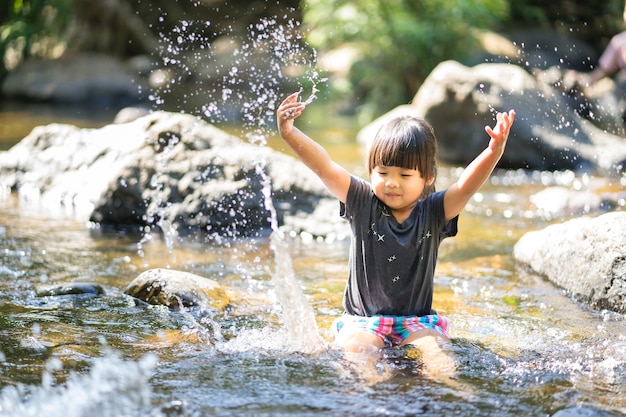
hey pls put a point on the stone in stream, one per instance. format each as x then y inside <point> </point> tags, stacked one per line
<point>586,256</point>
<point>174,289</point>
<point>72,288</point>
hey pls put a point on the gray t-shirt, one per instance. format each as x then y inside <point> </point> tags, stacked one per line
<point>392,265</point>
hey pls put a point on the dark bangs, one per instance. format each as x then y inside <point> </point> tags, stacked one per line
<point>405,142</point>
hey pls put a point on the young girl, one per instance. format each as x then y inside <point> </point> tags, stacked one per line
<point>397,222</point>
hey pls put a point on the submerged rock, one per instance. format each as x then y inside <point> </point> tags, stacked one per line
<point>585,256</point>
<point>177,289</point>
<point>72,288</point>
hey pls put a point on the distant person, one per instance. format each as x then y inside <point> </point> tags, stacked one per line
<point>398,222</point>
<point>612,61</point>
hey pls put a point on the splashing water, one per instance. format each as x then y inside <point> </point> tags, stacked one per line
<point>113,388</point>
<point>244,87</point>
<point>248,80</point>
<point>157,211</point>
<point>300,332</point>
<point>297,314</point>
<point>299,325</point>
<point>313,96</point>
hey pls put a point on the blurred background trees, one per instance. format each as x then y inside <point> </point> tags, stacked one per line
<point>397,43</point>
<point>394,44</point>
<point>32,28</point>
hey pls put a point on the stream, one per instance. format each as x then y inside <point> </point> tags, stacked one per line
<point>521,346</point>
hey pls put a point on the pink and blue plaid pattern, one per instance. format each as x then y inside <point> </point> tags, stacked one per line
<point>393,330</point>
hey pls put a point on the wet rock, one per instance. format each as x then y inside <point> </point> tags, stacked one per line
<point>130,114</point>
<point>460,101</point>
<point>174,289</point>
<point>72,288</point>
<point>165,170</point>
<point>585,256</point>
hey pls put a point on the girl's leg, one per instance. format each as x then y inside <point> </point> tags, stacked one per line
<point>358,341</point>
<point>357,334</point>
<point>437,363</point>
<point>362,350</point>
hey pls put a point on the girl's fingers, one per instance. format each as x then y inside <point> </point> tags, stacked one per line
<point>512,115</point>
<point>290,114</point>
<point>292,98</point>
<point>504,121</point>
<point>509,117</point>
<point>291,111</point>
<point>290,102</point>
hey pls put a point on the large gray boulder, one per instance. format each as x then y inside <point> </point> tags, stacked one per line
<point>460,101</point>
<point>168,170</point>
<point>585,256</point>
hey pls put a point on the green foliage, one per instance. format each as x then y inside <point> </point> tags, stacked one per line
<point>529,11</point>
<point>30,27</point>
<point>598,15</point>
<point>398,42</point>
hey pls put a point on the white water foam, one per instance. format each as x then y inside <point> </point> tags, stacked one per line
<point>113,388</point>
<point>299,324</point>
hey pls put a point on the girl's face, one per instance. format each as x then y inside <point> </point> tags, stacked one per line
<point>399,188</point>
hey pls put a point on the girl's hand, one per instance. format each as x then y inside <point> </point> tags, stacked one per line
<point>288,110</point>
<point>500,133</point>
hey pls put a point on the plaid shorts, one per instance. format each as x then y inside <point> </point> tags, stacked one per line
<point>393,330</point>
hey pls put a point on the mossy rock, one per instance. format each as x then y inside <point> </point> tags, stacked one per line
<point>72,288</point>
<point>174,289</point>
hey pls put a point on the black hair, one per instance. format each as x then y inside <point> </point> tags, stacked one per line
<point>406,142</point>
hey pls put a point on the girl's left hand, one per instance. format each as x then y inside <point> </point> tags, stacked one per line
<point>500,133</point>
<point>288,110</point>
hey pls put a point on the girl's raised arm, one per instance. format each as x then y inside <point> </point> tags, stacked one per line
<point>335,177</point>
<point>477,172</point>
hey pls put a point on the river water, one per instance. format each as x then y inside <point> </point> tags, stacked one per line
<point>521,346</point>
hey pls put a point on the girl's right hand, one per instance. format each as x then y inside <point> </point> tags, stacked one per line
<point>288,110</point>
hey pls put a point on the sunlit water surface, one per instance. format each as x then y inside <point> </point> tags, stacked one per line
<point>521,346</point>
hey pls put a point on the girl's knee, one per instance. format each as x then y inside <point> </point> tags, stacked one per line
<point>358,341</point>
<point>427,338</point>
